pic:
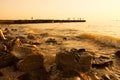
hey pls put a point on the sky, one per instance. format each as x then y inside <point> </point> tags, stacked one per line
<point>95,10</point>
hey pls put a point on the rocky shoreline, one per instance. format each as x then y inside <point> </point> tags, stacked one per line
<point>31,56</point>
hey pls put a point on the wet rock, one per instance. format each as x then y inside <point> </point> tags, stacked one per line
<point>101,62</point>
<point>31,36</point>
<point>9,37</point>
<point>34,65</point>
<point>74,60</point>
<point>6,31</point>
<point>51,40</point>
<point>104,57</point>
<point>117,53</point>
<point>75,51</point>
<point>35,43</point>
<point>14,30</point>
<point>16,42</point>
<point>65,38</point>
<point>32,62</point>
<point>7,59</point>
<point>43,35</point>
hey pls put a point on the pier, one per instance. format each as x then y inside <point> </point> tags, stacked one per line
<point>38,21</point>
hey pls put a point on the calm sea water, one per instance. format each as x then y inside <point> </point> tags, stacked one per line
<point>110,29</point>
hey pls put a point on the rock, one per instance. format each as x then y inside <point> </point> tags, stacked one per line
<point>101,62</point>
<point>23,39</point>
<point>35,43</point>
<point>9,37</point>
<point>31,36</point>
<point>74,60</point>
<point>2,37</point>
<point>106,77</point>
<point>6,31</point>
<point>32,62</point>
<point>3,47</point>
<point>34,65</point>
<point>7,59</point>
<point>22,51</point>
<point>43,35</point>
<point>73,50</point>
<point>117,53</point>
<point>50,40</point>
<point>14,30</point>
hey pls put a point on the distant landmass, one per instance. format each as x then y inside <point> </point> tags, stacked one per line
<point>38,21</point>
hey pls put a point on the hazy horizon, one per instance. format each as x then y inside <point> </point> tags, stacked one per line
<point>91,10</point>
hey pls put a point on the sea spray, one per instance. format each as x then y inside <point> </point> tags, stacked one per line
<point>107,40</point>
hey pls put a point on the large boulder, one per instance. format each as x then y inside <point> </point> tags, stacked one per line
<point>32,62</point>
<point>34,66</point>
<point>74,60</point>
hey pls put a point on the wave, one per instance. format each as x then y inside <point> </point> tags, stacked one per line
<point>104,39</point>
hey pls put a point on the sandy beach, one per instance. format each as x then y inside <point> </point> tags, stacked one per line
<point>50,54</point>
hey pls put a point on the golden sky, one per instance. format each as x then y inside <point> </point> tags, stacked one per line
<point>60,9</point>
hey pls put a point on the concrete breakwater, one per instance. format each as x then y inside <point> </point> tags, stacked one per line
<point>37,21</point>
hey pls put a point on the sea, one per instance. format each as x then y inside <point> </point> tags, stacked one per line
<point>107,33</point>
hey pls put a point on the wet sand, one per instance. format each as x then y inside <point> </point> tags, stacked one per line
<point>51,41</point>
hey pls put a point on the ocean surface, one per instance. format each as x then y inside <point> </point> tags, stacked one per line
<point>111,29</point>
<point>107,33</point>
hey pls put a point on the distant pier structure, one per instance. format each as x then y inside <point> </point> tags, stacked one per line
<point>39,21</point>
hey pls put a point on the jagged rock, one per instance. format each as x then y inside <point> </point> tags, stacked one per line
<point>74,60</point>
<point>117,53</point>
<point>101,62</point>
<point>50,40</point>
<point>7,59</point>
<point>32,62</point>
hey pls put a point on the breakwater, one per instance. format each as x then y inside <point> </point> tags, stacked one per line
<point>37,21</point>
